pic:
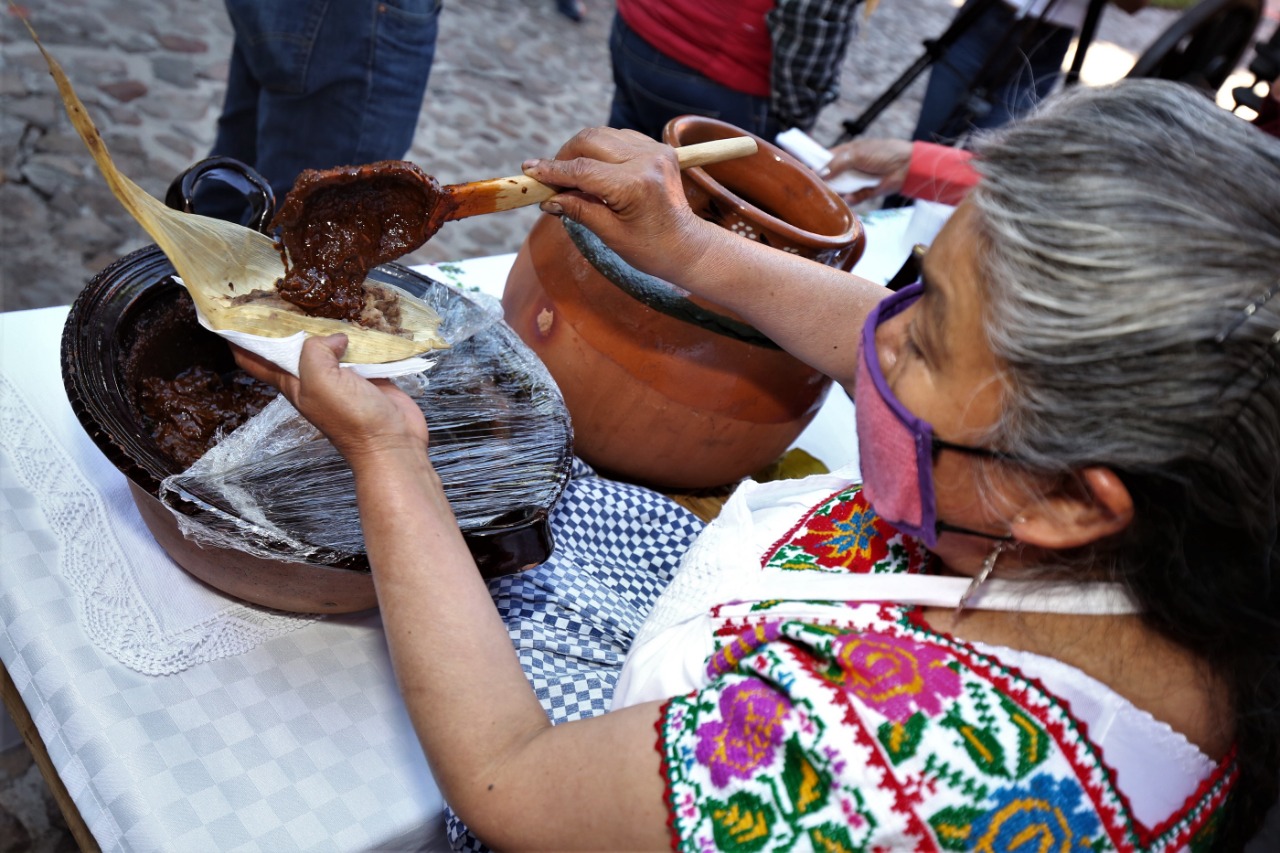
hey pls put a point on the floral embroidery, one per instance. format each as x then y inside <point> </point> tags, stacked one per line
<point>858,729</point>
<point>739,645</point>
<point>1052,814</point>
<point>894,675</point>
<point>845,534</point>
<point>747,734</point>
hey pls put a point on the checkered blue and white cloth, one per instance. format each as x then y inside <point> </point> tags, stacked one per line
<point>572,619</point>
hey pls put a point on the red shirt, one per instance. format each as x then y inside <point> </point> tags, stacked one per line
<point>726,40</point>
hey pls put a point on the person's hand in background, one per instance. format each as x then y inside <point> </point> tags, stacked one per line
<point>886,159</point>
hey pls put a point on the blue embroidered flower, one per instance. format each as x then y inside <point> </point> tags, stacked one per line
<point>1050,811</point>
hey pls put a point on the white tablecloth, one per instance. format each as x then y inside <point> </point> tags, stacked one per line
<point>298,742</point>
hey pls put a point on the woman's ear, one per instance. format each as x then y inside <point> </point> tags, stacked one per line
<point>1091,506</point>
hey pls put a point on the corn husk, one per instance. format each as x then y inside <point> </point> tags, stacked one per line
<point>219,260</point>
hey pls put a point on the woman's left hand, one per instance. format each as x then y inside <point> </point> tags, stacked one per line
<point>361,417</point>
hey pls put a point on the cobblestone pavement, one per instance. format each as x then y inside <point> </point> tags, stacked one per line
<point>512,80</point>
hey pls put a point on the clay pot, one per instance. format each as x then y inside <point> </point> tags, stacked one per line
<point>770,197</point>
<point>130,323</point>
<point>665,390</point>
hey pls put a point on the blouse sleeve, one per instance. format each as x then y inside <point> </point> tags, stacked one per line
<point>812,737</point>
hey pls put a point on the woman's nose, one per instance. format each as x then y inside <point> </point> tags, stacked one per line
<point>891,336</point>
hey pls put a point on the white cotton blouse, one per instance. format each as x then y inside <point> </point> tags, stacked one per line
<point>1157,768</point>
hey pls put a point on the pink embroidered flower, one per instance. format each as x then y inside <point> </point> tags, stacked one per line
<point>747,734</point>
<point>688,806</point>
<point>894,675</point>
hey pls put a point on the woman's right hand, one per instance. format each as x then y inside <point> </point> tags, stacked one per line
<point>887,159</point>
<point>626,188</point>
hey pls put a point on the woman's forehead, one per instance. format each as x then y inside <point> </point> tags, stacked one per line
<point>955,288</point>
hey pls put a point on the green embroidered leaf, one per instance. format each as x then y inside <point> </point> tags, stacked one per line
<point>744,823</point>
<point>901,740</point>
<point>792,558</point>
<point>1033,740</point>
<point>833,838</point>
<point>806,785</point>
<point>953,824</point>
<point>980,743</point>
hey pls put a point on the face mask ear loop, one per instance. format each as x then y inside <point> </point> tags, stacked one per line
<point>988,566</point>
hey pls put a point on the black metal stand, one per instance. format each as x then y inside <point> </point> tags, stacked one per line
<point>1265,68</point>
<point>1088,30</point>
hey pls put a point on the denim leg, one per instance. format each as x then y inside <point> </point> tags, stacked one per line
<point>337,83</point>
<point>1020,59</point>
<point>238,125</point>
<point>953,73</point>
<point>404,46</point>
<point>1031,80</point>
<point>650,89</point>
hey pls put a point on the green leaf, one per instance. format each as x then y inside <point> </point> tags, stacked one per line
<point>901,740</point>
<point>1033,741</point>
<point>807,786</point>
<point>743,823</point>
<point>953,825</point>
<point>832,838</point>
<point>980,743</point>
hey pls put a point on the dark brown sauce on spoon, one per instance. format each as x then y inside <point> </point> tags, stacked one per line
<point>338,224</point>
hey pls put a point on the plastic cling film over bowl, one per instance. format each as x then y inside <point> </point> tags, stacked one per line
<point>500,441</point>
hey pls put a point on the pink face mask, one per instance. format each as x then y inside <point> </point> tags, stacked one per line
<point>897,448</point>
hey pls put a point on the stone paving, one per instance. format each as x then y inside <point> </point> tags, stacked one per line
<point>512,79</point>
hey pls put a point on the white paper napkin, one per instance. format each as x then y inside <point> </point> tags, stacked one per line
<point>813,154</point>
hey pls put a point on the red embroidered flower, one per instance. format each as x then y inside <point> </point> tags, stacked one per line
<point>849,535</point>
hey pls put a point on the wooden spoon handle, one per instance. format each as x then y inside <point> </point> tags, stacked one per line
<point>497,194</point>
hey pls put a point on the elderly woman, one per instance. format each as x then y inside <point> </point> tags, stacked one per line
<point>1049,615</point>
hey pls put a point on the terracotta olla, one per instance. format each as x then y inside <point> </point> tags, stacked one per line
<point>665,389</point>
<point>133,321</point>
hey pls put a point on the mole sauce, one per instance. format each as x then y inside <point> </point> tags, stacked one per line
<point>338,224</point>
<point>192,411</point>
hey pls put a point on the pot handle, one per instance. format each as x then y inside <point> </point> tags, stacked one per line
<point>254,187</point>
<point>656,293</point>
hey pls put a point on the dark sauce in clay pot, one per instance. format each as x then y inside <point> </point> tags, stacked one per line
<point>185,384</point>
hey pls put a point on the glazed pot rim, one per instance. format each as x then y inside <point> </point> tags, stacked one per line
<point>671,135</point>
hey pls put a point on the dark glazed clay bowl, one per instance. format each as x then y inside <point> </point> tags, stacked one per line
<point>128,323</point>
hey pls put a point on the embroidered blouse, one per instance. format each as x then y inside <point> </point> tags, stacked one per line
<point>854,726</point>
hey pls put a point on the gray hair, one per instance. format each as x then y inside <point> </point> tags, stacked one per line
<point>1124,229</point>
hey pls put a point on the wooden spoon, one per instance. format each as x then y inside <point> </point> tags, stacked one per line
<point>507,193</point>
<point>338,224</point>
<point>220,261</point>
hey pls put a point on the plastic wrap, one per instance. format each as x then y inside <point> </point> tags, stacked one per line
<point>500,441</point>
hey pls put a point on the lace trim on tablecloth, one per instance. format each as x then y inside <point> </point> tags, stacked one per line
<point>109,603</point>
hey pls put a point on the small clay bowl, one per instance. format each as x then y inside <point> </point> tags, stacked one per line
<point>770,196</point>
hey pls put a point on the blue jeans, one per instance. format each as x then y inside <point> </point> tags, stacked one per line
<point>315,84</point>
<point>1015,64</point>
<point>650,89</point>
